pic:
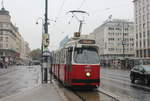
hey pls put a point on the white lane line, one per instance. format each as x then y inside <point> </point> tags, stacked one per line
<point>135,85</point>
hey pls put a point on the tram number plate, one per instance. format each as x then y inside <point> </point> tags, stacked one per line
<point>88,70</point>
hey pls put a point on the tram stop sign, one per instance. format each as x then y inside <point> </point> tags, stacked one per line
<point>46,53</point>
<point>46,59</point>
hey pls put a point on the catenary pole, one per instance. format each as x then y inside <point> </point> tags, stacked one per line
<point>46,32</point>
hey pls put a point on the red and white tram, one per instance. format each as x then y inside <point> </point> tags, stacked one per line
<point>77,64</point>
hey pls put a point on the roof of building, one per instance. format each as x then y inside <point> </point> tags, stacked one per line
<point>3,11</point>
<point>135,0</point>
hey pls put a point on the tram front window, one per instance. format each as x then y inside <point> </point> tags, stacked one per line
<point>86,55</point>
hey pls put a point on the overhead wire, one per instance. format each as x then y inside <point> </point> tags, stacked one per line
<point>61,8</point>
<point>82,3</point>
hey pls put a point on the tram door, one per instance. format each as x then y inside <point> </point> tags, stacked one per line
<point>68,64</point>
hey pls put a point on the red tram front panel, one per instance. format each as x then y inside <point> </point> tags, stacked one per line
<point>83,75</point>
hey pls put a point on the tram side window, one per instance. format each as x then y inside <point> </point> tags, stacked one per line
<point>69,55</point>
<point>60,57</point>
<point>63,56</point>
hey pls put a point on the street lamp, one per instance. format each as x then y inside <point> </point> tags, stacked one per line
<point>123,37</point>
<point>123,40</point>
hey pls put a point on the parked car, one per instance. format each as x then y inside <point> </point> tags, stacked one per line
<point>140,72</point>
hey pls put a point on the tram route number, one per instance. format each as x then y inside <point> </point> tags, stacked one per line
<point>45,40</point>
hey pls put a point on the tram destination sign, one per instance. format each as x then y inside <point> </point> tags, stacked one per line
<point>86,41</point>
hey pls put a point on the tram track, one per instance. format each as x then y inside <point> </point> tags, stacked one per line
<point>108,94</point>
<point>78,95</point>
<point>85,95</point>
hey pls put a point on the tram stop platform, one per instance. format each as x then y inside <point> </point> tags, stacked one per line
<point>44,92</point>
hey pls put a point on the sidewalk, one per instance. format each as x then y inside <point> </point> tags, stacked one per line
<point>6,70</point>
<point>44,92</point>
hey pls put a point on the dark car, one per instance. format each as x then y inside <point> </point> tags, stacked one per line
<point>140,72</point>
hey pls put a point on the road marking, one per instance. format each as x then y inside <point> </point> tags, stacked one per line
<point>134,85</point>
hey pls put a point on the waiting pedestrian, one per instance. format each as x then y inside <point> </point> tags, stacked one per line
<point>1,65</point>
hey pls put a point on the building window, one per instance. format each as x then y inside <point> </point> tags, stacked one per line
<point>1,53</point>
<point>6,45</point>
<point>6,39</point>
<point>140,53</point>
<point>110,28</point>
<point>118,29</point>
<point>131,39</point>
<point>144,52</point>
<point>140,35</point>
<point>148,42</point>
<point>144,43</point>
<point>148,52</point>
<point>140,44</point>
<point>126,29</point>
<point>126,34</point>
<point>1,32</point>
<point>148,33</point>
<point>136,36</point>
<point>1,38</point>
<point>111,49</point>
<point>144,34</point>
<point>1,45</point>
<point>137,53</point>
<point>111,39</point>
<point>136,44</point>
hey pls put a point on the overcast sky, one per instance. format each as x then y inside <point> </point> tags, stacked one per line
<point>24,14</point>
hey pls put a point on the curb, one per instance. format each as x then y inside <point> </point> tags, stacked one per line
<point>59,91</point>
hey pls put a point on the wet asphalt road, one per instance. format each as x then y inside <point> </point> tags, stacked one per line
<point>21,78</point>
<point>17,79</point>
<point>118,83</point>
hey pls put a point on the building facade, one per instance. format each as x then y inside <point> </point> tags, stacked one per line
<point>11,41</point>
<point>142,28</point>
<point>115,39</point>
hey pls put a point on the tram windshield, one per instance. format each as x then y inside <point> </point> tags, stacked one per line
<point>86,55</point>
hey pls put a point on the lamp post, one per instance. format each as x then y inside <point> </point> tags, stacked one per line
<point>124,41</point>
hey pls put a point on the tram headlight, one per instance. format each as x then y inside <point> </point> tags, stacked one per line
<point>88,74</point>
